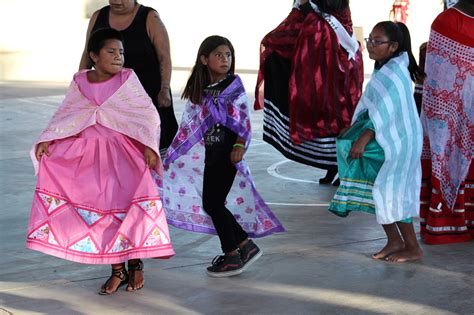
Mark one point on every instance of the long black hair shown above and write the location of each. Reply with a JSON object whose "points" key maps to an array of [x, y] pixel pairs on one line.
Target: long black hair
{"points": [[399, 33], [200, 77]]}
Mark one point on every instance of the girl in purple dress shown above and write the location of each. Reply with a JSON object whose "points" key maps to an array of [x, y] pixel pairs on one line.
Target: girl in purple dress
{"points": [[205, 171]]}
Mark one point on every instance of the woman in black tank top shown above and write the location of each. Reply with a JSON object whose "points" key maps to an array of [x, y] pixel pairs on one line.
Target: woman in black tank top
{"points": [[147, 52]]}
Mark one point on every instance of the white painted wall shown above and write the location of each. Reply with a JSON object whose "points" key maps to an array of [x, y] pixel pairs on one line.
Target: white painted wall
{"points": [[38, 44]]}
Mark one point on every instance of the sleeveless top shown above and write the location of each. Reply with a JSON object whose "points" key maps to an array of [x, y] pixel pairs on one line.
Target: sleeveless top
{"points": [[140, 55], [139, 52]]}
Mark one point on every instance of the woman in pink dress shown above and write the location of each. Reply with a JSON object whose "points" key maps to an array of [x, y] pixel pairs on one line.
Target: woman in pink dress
{"points": [[97, 163]]}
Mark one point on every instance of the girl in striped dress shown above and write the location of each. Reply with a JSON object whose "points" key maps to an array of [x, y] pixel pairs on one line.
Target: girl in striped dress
{"points": [[378, 156]]}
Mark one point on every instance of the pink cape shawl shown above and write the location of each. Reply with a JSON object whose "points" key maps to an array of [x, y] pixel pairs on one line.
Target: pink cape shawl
{"points": [[129, 111]]}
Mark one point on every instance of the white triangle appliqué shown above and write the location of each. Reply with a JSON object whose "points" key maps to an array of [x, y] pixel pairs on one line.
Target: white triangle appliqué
{"points": [[90, 217], [86, 245], [51, 203], [121, 244]]}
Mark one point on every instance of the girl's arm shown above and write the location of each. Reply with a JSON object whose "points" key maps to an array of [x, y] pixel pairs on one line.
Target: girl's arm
{"points": [[359, 146], [238, 151], [42, 148]]}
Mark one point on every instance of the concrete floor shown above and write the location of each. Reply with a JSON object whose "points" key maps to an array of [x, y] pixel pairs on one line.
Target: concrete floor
{"points": [[321, 265]]}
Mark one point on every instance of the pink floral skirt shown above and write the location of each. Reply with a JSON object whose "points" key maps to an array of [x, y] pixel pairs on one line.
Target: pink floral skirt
{"points": [[96, 202]]}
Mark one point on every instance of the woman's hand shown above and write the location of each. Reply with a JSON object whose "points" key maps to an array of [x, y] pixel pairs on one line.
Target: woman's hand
{"points": [[164, 98], [150, 157], [42, 148], [158, 36], [358, 147], [237, 154]]}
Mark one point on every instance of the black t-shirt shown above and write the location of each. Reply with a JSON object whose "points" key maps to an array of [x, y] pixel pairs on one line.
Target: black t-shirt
{"points": [[219, 140]]}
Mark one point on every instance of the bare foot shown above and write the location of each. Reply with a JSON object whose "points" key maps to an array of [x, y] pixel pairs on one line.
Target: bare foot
{"points": [[136, 280], [389, 249], [405, 255]]}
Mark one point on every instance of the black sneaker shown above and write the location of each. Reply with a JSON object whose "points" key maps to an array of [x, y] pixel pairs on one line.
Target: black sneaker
{"points": [[250, 253], [225, 266]]}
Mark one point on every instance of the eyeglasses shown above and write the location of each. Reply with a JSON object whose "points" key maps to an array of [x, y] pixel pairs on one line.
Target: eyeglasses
{"points": [[375, 42]]}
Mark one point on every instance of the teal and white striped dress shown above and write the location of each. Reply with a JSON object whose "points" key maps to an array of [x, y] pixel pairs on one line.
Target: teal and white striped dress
{"points": [[387, 179]]}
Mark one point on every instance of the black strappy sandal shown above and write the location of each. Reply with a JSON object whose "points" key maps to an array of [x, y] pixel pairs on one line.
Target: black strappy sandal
{"points": [[132, 268], [119, 273]]}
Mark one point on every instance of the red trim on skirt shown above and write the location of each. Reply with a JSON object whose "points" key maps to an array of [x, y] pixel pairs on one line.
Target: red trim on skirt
{"points": [[443, 225]]}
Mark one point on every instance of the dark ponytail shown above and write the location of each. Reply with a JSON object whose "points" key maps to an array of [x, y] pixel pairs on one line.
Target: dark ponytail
{"points": [[398, 32], [416, 73]]}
